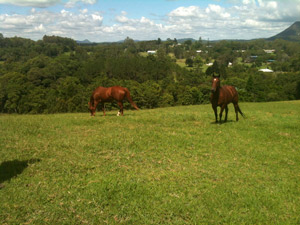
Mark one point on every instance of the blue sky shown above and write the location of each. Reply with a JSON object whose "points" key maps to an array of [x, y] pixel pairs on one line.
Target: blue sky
{"points": [[114, 20]]}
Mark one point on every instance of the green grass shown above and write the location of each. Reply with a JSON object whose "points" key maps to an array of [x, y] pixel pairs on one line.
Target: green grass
{"points": [[181, 63], [144, 54], [161, 166]]}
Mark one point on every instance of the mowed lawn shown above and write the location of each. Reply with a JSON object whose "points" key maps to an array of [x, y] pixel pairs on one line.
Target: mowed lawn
{"points": [[162, 166]]}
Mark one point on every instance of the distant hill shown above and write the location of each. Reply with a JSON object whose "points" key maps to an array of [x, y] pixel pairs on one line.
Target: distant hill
{"points": [[182, 40], [85, 42], [292, 33]]}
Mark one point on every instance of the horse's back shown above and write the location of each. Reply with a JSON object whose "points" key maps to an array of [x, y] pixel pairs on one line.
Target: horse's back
{"points": [[229, 94], [101, 93], [108, 94], [100, 90], [117, 89], [118, 92]]}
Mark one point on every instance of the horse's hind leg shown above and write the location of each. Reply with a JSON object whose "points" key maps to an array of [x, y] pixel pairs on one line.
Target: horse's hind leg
{"points": [[226, 112], [121, 108], [103, 108], [236, 107]]}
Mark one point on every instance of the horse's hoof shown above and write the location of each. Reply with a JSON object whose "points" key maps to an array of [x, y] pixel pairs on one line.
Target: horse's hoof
{"points": [[118, 114]]}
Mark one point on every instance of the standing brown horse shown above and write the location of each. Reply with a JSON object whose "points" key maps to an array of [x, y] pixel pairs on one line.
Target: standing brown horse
{"points": [[102, 95], [222, 96]]}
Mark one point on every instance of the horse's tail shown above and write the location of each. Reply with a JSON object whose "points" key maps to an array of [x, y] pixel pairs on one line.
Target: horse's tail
{"points": [[130, 99], [240, 111]]}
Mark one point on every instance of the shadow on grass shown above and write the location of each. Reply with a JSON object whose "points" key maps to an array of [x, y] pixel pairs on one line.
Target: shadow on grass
{"points": [[112, 114], [11, 169], [223, 122]]}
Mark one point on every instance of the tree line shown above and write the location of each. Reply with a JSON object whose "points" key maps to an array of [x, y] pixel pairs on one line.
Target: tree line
{"points": [[56, 74]]}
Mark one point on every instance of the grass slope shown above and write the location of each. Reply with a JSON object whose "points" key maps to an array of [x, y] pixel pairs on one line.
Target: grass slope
{"points": [[161, 166]]}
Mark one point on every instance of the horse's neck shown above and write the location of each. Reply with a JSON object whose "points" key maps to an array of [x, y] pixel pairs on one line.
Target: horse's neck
{"points": [[215, 95]]}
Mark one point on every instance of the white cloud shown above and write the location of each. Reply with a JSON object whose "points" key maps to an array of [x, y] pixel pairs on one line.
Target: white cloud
{"points": [[249, 2], [217, 11], [97, 18], [84, 11], [122, 18], [31, 3], [46, 3], [213, 8], [39, 23], [191, 11], [245, 19], [91, 2], [72, 3], [39, 28]]}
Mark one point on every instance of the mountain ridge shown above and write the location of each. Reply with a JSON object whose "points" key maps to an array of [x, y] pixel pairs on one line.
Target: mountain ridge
{"points": [[292, 33]]}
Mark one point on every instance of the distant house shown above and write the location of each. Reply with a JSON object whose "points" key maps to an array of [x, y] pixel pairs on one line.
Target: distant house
{"points": [[269, 51], [209, 64], [151, 52], [266, 70], [199, 51]]}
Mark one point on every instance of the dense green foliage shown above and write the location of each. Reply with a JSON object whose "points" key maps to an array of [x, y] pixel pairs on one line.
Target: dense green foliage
{"points": [[58, 75], [171, 165]]}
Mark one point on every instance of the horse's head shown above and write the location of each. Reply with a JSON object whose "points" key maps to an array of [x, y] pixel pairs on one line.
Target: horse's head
{"points": [[215, 83], [92, 109]]}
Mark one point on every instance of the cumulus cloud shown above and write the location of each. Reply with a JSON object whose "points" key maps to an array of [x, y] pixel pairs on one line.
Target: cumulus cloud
{"points": [[191, 11], [122, 18], [142, 28], [31, 3], [243, 19], [46, 3], [72, 3], [63, 23]]}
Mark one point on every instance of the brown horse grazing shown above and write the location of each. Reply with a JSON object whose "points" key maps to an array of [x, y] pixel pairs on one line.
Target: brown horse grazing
{"points": [[102, 95], [222, 96]]}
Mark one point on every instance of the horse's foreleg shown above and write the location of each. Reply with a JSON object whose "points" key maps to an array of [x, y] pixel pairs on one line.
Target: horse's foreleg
{"points": [[216, 113], [121, 108], [226, 112], [221, 112], [94, 109], [103, 108]]}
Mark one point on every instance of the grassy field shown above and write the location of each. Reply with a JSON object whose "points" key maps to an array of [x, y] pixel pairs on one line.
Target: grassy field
{"points": [[160, 166]]}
